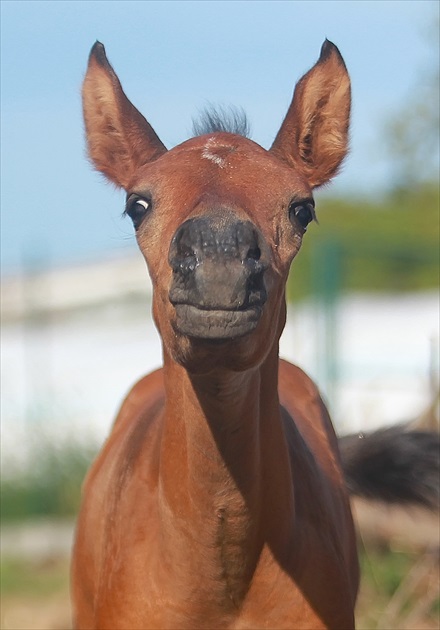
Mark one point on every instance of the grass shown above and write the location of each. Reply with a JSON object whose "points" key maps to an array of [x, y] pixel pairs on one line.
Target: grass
{"points": [[398, 590], [26, 578], [35, 595], [50, 485]]}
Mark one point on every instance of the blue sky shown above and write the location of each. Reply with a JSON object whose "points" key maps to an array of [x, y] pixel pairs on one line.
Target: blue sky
{"points": [[173, 58]]}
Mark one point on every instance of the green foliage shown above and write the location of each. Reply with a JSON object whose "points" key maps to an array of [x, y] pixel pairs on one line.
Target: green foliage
{"points": [[384, 570], [30, 578], [50, 485], [391, 245], [393, 586]]}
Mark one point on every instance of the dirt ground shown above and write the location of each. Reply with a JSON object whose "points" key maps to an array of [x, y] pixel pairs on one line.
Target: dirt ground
{"points": [[45, 613]]}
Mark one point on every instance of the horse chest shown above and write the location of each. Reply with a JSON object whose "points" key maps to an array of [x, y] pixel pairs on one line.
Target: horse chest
{"points": [[148, 589], [274, 602]]}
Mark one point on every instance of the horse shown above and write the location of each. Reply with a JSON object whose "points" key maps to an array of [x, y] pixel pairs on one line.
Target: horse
{"points": [[219, 499]]}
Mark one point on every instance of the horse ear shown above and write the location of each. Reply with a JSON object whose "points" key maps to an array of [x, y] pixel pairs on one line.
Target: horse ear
{"points": [[314, 135], [119, 139]]}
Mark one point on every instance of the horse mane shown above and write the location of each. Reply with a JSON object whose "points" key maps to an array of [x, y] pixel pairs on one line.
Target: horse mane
{"points": [[224, 119]]}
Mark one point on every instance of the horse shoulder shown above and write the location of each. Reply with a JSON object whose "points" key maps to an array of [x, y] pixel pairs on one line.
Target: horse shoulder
{"points": [[315, 459], [129, 455], [301, 399], [138, 411]]}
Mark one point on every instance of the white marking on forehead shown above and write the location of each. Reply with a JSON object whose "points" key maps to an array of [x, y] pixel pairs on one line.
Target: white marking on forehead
{"points": [[208, 153]]}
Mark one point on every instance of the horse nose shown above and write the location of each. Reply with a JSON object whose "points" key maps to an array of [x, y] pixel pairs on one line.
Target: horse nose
{"points": [[218, 264]]}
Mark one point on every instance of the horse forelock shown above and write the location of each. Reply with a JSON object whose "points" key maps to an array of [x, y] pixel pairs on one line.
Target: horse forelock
{"points": [[222, 119]]}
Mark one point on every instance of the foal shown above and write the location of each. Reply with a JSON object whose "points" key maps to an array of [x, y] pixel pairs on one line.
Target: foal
{"points": [[218, 500]]}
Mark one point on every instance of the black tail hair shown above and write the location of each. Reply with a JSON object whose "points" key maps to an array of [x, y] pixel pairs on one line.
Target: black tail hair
{"points": [[394, 465]]}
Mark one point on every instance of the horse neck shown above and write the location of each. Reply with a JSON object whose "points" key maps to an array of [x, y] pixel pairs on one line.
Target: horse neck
{"points": [[225, 482]]}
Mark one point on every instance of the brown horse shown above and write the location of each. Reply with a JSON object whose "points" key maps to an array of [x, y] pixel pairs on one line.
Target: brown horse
{"points": [[218, 500]]}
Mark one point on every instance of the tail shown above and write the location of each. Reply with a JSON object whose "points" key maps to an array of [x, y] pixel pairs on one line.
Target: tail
{"points": [[394, 465]]}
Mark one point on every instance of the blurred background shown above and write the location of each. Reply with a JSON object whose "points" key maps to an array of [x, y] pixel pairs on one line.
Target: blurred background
{"points": [[76, 323]]}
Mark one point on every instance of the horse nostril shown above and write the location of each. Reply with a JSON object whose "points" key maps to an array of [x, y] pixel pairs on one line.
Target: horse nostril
{"points": [[254, 253], [183, 264]]}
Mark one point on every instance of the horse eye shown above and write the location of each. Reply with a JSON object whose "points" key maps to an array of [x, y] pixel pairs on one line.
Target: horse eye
{"points": [[303, 212], [136, 208]]}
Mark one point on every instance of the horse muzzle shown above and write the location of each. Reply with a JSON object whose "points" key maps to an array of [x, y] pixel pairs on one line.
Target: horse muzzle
{"points": [[217, 287]]}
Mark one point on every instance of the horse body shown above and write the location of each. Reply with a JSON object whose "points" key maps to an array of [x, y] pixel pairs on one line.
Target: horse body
{"points": [[218, 499], [198, 524]]}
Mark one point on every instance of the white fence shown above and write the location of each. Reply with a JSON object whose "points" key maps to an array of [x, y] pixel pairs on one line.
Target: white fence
{"points": [[74, 341]]}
